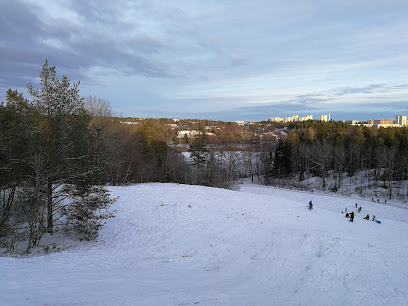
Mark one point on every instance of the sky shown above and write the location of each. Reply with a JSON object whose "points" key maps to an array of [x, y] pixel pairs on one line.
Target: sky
{"points": [[217, 59]]}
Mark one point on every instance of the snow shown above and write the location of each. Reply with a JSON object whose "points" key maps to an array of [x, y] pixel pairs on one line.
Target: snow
{"points": [[176, 244]]}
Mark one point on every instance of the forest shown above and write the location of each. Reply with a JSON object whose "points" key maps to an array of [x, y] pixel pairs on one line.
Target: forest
{"points": [[375, 158], [59, 151]]}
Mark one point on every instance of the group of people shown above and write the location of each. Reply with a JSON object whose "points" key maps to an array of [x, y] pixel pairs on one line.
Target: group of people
{"points": [[351, 215], [378, 200]]}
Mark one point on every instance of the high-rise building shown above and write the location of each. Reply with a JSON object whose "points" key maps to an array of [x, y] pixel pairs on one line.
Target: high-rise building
{"points": [[323, 118], [294, 118], [401, 120]]}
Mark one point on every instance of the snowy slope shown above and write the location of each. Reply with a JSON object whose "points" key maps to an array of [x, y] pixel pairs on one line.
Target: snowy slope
{"points": [[188, 245]]}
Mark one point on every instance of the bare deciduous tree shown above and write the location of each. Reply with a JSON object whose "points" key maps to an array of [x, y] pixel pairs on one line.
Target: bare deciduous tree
{"points": [[98, 107]]}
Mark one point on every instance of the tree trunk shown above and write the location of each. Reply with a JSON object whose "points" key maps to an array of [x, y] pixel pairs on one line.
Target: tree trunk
{"points": [[8, 201], [50, 227]]}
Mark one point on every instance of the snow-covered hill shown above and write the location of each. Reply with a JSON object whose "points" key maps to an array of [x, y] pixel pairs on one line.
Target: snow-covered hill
{"points": [[188, 245]]}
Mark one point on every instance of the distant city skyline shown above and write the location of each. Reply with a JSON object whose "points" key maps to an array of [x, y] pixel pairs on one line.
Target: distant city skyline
{"points": [[216, 60], [328, 117]]}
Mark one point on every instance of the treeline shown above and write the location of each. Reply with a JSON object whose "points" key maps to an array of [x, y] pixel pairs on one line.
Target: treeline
{"points": [[315, 148], [148, 152], [227, 133], [135, 150]]}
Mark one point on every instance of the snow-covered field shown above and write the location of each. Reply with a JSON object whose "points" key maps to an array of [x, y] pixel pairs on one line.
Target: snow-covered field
{"points": [[188, 245]]}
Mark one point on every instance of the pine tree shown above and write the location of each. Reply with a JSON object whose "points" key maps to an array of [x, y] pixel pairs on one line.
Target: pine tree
{"points": [[59, 158], [17, 127]]}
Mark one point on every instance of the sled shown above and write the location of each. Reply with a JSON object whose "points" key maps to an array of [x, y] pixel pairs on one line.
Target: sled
{"points": [[379, 222]]}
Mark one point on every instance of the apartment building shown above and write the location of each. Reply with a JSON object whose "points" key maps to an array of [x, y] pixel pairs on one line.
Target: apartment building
{"points": [[401, 120], [323, 118], [293, 118]]}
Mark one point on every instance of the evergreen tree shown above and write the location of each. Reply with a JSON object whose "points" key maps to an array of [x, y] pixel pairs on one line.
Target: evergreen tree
{"points": [[282, 165], [61, 106], [199, 153], [17, 127], [49, 159]]}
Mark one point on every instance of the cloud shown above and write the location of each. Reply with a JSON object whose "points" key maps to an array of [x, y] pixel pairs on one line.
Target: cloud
{"points": [[358, 90], [371, 89], [30, 34], [212, 55]]}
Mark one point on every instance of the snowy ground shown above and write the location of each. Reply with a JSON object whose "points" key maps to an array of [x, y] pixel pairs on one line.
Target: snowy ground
{"points": [[188, 245]]}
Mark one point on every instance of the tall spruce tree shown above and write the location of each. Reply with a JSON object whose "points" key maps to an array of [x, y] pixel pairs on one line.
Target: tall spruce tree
{"points": [[282, 165], [199, 153]]}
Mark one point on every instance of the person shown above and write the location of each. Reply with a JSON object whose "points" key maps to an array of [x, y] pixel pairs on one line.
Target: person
{"points": [[367, 217], [347, 215], [310, 205], [356, 205], [352, 216], [385, 201], [378, 200], [359, 209], [345, 209], [373, 218]]}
